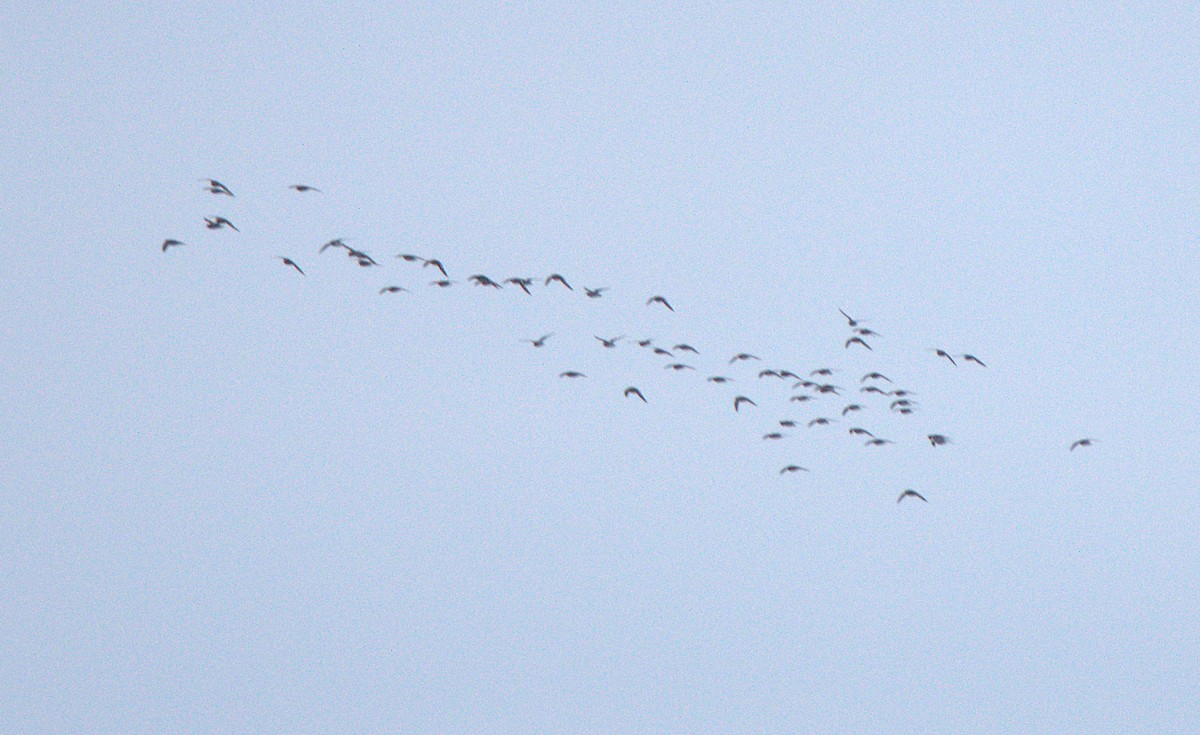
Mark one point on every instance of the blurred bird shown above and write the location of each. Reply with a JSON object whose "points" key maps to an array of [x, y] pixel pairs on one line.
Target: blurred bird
{"points": [[739, 400], [742, 356], [610, 343], [873, 442], [773, 435], [853, 322], [594, 293], [875, 376], [522, 282], [632, 391], [686, 348], [938, 439], [972, 358], [678, 366], [171, 243], [216, 223], [851, 407], [571, 374], [292, 263], [821, 371], [482, 280], [445, 283], [857, 341], [659, 300], [719, 379], [406, 257], [819, 422], [216, 187], [792, 468], [1082, 443], [943, 353], [560, 279], [304, 188], [910, 493], [391, 289], [856, 431], [436, 264], [540, 341]]}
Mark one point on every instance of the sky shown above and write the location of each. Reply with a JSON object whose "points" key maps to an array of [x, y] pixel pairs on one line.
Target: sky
{"points": [[240, 499]]}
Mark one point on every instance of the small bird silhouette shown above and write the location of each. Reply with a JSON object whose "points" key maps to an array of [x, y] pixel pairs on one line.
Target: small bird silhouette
{"points": [[661, 351], [910, 493], [610, 343], [1082, 443], [875, 376], [292, 263], [391, 289], [216, 187], [406, 257], [857, 341], [216, 223], [788, 424], [873, 442], [856, 431], [482, 280], [560, 279], [304, 187], [678, 366], [819, 422], [444, 283], [821, 371], [873, 389], [972, 358], [632, 391], [540, 341], [571, 374], [851, 407], [686, 348], [436, 264], [800, 398], [594, 293], [938, 439], [792, 468], [524, 283], [739, 400], [943, 353], [659, 300], [768, 374], [719, 379], [773, 435], [171, 243], [853, 322], [742, 356]]}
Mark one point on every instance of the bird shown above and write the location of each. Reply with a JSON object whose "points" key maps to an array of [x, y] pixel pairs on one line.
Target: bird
{"points": [[943, 353], [742, 356], [819, 422], [292, 263], [910, 493], [851, 407], [337, 243], [788, 424], [216, 187], [645, 342], [363, 259], [609, 343], [444, 283], [686, 348], [661, 351], [560, 279], [874, 442], [867, 332], [792, 468], [522, 282], [571, 374], [171, 243], [304, 187], [594, 293], [938, 439], [901, 393], [1082, 443], [768, 374], [827, 388], [678, 366], [632, 391], [873, 389], [391, 289], [719, 379], [436, 264], [773, 435], [822, 371], [858, 341], [482, 280], [853, 322], [800, 398], [216, 223], [972, 358], [857, 431], [406, 257], [659, 300], [875, 376], [540, 341], [739, 400]]}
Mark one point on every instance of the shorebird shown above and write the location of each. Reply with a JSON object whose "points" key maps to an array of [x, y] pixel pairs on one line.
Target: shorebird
{"points": [[216, 223], [938, 439], [819, 422], [788, 424], [873, 442], [482, 280], [851, 407], [391, 289], [910, 493], [594, 293], [773, 435], [719, 379], [742, 356], [873, 389], [292, 263], [793, 468], [304, 188], [875, 376], [800, 398], [867, 332], [406, 257], [739, 400], [678, 366], [827, 388], [972, 358], [659, 300], [632, 391], [571, 374], [661, 351], [216, 187], [522, 282], [768, 374], [540, 341], [444, 283], [560, 279], [436, 264], [336, 243], [1082, 443], [857, 341], [943, 353], [856, 431], [609, 343], [821, 371], [171, 243], [686, 348]]}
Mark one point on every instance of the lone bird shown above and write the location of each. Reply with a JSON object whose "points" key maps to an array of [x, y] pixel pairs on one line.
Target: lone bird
{"points": [[560, 279], [171, 243], [972, 358], [216, 223], [540, 341], [739, 400], [773, 435], [632, 391], [571, 374], [1082, 443], [292, 263], [793, 468], [938, 439], [303, 188], [910, 493], [943, 353], [659, 300]]}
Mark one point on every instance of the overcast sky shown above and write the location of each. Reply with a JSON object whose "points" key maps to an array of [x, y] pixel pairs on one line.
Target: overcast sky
{"points": [[241, 499]]}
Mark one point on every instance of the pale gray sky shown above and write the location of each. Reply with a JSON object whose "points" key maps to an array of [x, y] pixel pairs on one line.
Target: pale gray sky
{"points": [[238, 499]]}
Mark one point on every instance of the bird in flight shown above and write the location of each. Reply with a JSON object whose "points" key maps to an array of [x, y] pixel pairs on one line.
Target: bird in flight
{"points": [[800, 398], [609, 343], [873, 442], [406, 257], [216, 223], [594, 293], [858, 431], [540, 341], [522, 282], [773, 435], [875, 376], [216, 187], [739, 400], [661, 351], [819, 422], [768, 373], [686, 348], [678, 366], [873, 389], [303, 188], [938, 439], [867, 332], [943, 353], [792, 468], [482, 280], [436, 264], [853, 322], [910, 493], [742, 356], [972, 358], [857, 341], [821, 371], [292, 263], [851, 407], [339, 243], [171, 243], [571, 374], [391, 289], [719, 379], [659, 300], [444, 283], [1082, 443], [632, 391], [788, 424], [560, 279]]}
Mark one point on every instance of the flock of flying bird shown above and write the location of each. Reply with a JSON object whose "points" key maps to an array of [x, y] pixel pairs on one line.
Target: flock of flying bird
{"points": [[872, 387]]}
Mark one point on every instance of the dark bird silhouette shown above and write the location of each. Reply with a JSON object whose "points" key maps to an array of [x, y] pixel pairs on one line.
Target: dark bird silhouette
{"points": [[659, 300], [560, 279], [768, 374], [853, 322], [856, 431], [719, 379], [875, 376], [540, 341], [304, 187], [827, 388], [661, 351], [873, 389], [976, 360], [821, 371], [391, 289], [171, 243], [819, 422], [363, 259], [792, 468], [943, 353], [901, 403], [522, 282], [910, 493], [739, 400], [482, 280], [800, 398], [571, 374], [594, 293], [336, 243], [409, 257], [678, 366], [686, 348], [857, 341], [851, 407], [644, 342], [632, 391], [610, 343], [938, 439], [742, 356], [445, 283], [216, 223], [900, 393], [773, 435], [873, 442], [863, 331], [216, 187], [1082, 443], [788, 424], [436, 264], [292, 263]]}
